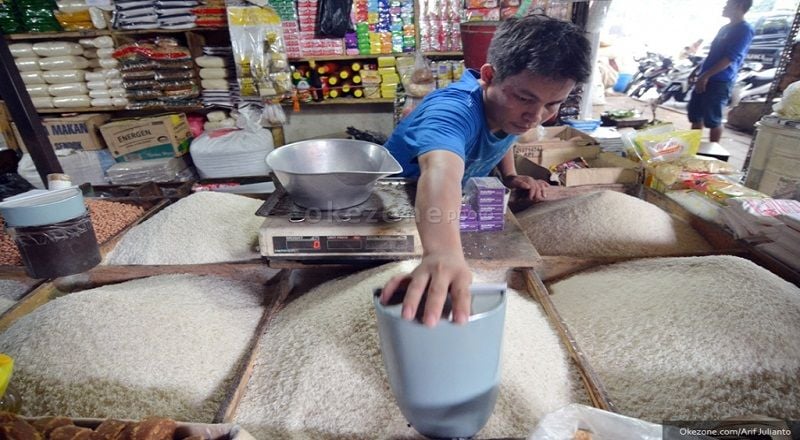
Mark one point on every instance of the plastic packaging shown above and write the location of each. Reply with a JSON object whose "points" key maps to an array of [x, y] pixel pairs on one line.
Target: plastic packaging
{"points": [[97, 17], [64, 76], [70, 89], [789, 105], [72, 101], [101, 102], [22, 50], [114, 83], [563, 424], [10, 400], [119, 102], [27, 64], [214, 84], [670, 145], [94, 63], [89, 54], [116, 92], [108, 63], [210, 61], [112, 73], [99, 94], [213, 73], [57, 49], [97, 85], [63, 63], [35, 90], [106, 52], [153, 170], [32, 77], [42, 101], [94, 76], [333, 18]]}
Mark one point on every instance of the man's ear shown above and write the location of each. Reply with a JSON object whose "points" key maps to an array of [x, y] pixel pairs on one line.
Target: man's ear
{"points": [[487, 73]]}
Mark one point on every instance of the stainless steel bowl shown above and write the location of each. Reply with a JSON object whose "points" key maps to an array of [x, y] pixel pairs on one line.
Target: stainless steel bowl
{"points": [[331, 173]]}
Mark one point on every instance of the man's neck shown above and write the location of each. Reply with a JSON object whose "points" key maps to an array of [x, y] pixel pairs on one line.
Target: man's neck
{"points": [[737, 19]]}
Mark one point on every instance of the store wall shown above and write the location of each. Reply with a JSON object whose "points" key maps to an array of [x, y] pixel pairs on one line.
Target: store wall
{"points": [[329, 120]]}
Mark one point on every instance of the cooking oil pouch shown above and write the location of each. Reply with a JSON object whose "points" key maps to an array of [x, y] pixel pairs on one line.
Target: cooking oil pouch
{"points": [[668, 146], [721, 188], [74, 21]]}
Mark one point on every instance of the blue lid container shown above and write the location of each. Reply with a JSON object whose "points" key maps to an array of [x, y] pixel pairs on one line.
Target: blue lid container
{"points": [[37, 208]]}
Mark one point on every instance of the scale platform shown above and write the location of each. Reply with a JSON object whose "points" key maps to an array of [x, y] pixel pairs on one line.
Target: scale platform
{"points": [[381, 228]]}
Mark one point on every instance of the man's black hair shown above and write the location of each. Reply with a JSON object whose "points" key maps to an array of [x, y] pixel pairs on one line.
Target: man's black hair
{"points": [[543, 45], [745, 4]]}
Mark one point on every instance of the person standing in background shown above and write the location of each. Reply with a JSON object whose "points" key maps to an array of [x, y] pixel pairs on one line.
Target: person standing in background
{"points": [[713, 87]]}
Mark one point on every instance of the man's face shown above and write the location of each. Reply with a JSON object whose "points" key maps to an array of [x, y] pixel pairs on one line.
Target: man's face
{"points": [[522, 101], [730, 8]]}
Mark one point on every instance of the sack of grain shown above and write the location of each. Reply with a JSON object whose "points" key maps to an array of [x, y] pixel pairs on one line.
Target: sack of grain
{"points": [[167, 345], [206, 227], [696, 338], [606, 224], [319, 372]]}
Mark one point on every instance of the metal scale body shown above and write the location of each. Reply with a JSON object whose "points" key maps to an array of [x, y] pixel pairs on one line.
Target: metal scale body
{"points": [[381, 228]]}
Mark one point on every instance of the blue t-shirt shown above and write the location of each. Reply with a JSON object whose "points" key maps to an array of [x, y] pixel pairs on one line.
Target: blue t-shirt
{"points": [[732, 41], [450, 119]]}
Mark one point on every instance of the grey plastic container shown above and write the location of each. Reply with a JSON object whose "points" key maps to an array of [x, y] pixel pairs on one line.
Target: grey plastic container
{"points": [[446, 378]]}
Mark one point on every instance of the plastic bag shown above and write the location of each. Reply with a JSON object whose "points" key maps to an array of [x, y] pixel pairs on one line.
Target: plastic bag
{"points": [[671, 145], [789, 105], [419, 80], [564, 423], [333, 18]]}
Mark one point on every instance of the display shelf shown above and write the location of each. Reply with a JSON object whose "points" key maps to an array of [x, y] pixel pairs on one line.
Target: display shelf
{"points": [[117, 109], [372, 57], [100, 32], [345, 101]]}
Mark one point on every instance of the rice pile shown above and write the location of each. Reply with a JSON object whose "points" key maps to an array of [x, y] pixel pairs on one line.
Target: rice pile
{"points": [[10, 292], [205, 227], [696, 338], [319, 372], [607, 223], [166, 345]]}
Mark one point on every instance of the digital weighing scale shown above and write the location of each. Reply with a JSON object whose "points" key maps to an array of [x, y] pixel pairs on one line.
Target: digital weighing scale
{"points": [[381, 228]]}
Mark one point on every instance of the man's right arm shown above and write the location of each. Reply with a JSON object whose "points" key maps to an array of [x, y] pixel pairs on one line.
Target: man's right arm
{"points": [[443, 268]]}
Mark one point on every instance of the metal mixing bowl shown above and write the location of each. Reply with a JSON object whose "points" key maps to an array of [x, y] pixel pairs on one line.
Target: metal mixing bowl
{"points": [[331, 173]]}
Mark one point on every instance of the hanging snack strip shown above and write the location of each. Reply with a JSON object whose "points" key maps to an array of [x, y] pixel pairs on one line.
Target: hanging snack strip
{"points": [[158, 73]]}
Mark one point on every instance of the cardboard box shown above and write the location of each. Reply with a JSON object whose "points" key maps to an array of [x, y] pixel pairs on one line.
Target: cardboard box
{"points": [[7, 133], [76, 132], [555, 140], [148, 138], [606, 168]]}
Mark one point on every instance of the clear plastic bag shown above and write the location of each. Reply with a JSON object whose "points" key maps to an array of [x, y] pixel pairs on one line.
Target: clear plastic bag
{"points": [[333, 18], [789, 105], [564, 423]]}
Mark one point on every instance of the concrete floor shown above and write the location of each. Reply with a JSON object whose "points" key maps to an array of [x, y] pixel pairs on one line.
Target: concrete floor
{"points": [[736, 142]]}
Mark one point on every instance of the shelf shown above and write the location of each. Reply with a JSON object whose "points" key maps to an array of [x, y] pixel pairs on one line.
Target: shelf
{"points": [[116, 109], [373, 57], [101, 32], [345, 101]]}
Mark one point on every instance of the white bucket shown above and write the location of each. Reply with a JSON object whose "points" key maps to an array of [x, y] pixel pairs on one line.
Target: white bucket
{"points": [[775, 164]]}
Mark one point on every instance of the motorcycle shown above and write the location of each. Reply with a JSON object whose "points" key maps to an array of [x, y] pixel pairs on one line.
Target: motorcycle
{"points": [[752, 84], [649, 77], [679, 82]]}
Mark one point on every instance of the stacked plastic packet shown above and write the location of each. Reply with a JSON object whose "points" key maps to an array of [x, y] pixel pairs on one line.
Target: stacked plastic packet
{"points": [[484, 206], [135, 14], [37, 15], [104, 81], [217, 75], [382, 27], [176, 14], [287, 11], [439, 25], [54, 73], [211, 13], [168, 169], [77, 15], [9, 23], [157, 74]]}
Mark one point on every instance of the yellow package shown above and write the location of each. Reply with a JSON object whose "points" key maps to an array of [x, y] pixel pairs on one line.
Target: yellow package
{"points": [[668, 146]]}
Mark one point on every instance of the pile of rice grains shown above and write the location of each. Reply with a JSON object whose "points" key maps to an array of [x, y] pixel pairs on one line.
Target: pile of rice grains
{"points": [[108, 219]]}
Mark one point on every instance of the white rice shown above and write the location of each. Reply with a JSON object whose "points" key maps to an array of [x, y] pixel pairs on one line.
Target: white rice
{"points": [[166, 345], [205, 227], [607, 223], [698, 338], [319, 372], [10, 292]]}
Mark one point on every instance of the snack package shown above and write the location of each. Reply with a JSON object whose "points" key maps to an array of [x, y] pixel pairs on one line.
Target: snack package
{"points": [[671, 145]]}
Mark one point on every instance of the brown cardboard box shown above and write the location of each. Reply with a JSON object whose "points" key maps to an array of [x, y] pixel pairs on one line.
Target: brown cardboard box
{"points": [[529, 145], [148, 138], [76, 132], [5, 128], [606, 168]]}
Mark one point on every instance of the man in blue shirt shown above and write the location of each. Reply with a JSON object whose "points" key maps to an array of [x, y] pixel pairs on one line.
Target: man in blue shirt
{"points": [[467, 129], [713, 87]]}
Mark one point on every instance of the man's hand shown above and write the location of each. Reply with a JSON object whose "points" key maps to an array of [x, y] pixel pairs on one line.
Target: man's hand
{"points": [[440, 273], [537, 189], [700, 85]]}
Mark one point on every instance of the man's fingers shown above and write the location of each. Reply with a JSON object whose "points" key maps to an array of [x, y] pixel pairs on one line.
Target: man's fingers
{"points": [[413, 294], [437, 294], [391, 287], [460, 297]]}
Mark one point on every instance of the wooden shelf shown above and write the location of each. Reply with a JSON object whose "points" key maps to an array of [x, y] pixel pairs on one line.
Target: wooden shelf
{"points": [[373, 57], [345, 101], [117, 109], [101, 32]]}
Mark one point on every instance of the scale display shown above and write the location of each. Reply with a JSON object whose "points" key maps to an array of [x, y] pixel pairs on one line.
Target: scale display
{"points": [[343, 244]]}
